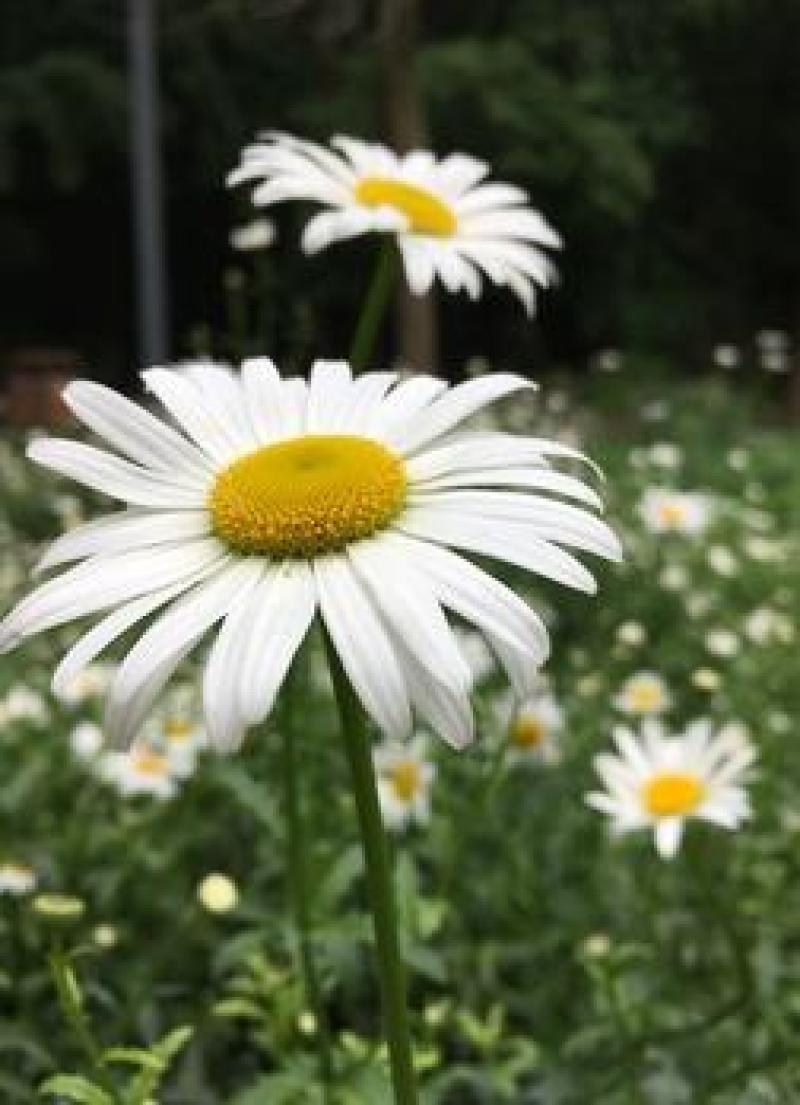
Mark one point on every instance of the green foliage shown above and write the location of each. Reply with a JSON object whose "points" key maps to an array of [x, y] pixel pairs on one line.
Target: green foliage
{"points": [[549, 963]]}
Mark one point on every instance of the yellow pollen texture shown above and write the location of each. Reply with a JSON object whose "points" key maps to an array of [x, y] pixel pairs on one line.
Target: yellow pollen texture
{"points": [[426, 213], [673, 794], [406, 778], [307, 496], [527, 732], [178, 729]]}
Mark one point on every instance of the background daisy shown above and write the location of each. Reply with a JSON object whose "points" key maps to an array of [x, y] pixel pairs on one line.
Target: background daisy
{"points": [[404, 778], [660, 782], [448, 221]]}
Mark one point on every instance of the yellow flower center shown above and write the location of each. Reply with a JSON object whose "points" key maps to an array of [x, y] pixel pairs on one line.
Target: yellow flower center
{"points": [[406, 780], [672, 514], [178, 730], [150, 763], [307, 496], [644, 698], [672, 794], [426, 213], [527, 732]]}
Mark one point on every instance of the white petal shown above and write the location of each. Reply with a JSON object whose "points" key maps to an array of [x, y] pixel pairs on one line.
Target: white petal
{"points": [[202, 421], [668, 833], [410, 607], [520, 223], [368, 656], [329, 389], [91, 644], [406, 401], [509, 541], [477, 597], [284, 605], [113, 476], [418, 263], [262, 387], [551, 519], [533, 479], [454, 406], [225, 722], [223, 392], [445, 710], [125, 531], [104, 581], [138, 680], [135, 432]]}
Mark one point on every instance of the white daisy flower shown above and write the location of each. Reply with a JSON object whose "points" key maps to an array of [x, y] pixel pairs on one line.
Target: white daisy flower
{"points": [[86, 740], [404, 779], [632, 634], [139, 771], [659, 781], [17, 879], [448, 221], [765, 625], [533, 730], [722, 561], [218, 893], [281, 499], [666, 511], [643, 695]]}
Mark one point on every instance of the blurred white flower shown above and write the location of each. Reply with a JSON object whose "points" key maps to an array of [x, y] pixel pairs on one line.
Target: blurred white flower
{"points": [[721, 560], [738, 459], [643, 694], [533, 728], [665, 454], [23, 704], [722, 642], [632, 634], [608, 361], [92, 682], [17, 879], [86, 740], [218, 893], [446, 218], [659, 782], [765, 625], [775, 361], [698, 604], [771, 339], [181, 738], [666, 511], [140, 771], [706, 679], [405, 778], [255, 235], [597, 945], [674, 577], [726, 356], [765, 550]]}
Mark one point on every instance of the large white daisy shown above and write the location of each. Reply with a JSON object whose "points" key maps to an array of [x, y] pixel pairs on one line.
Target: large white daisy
{"points": [[659, 781], [270, 500], [447, 219]]}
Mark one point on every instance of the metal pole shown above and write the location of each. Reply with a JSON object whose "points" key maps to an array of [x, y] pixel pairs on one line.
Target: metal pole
{"points": [[146, 186]]}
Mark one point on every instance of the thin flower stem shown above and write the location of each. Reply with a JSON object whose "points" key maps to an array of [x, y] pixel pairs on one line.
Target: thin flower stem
{"points": [[374, 308], [297, 876], [379, 884]]}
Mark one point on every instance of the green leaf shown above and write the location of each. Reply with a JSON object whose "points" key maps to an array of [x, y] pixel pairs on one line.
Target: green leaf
{"points": [[77, 1089]]}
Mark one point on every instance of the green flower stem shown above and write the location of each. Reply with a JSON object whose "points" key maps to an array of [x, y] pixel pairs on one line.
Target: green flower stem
{"points": [[374, 308], [380, 884], [297, 874]]}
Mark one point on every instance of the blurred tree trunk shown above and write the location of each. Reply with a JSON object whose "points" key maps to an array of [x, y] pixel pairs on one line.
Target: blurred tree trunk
{"points": [[418, 338]]}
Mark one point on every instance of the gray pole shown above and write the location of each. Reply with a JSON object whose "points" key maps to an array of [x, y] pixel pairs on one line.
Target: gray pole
{"points": [[146, 187]]}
